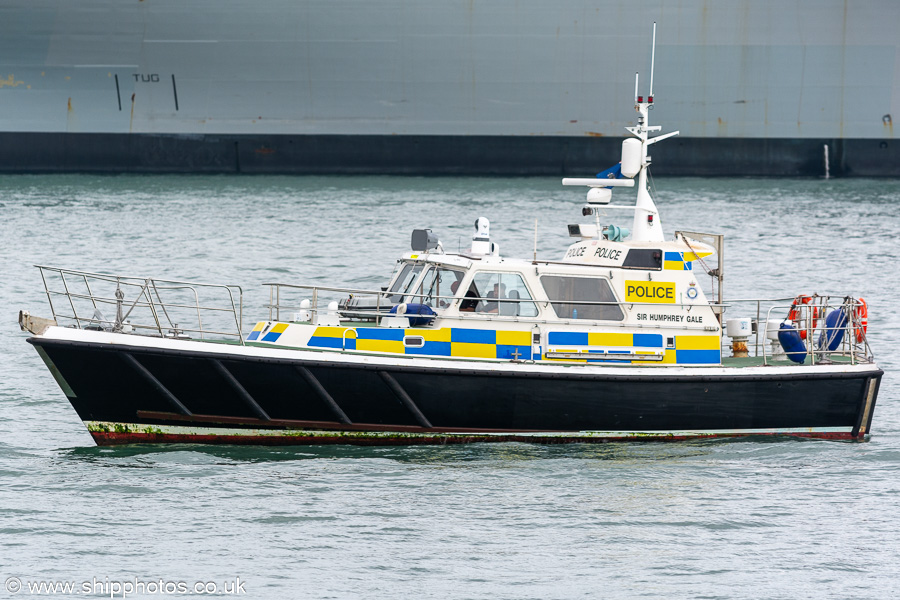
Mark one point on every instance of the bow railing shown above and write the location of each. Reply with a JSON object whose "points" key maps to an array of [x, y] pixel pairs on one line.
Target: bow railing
{"points": [[143, 305]]}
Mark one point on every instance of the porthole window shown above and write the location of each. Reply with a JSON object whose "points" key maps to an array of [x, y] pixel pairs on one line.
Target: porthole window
{"points": [[413, 341]]}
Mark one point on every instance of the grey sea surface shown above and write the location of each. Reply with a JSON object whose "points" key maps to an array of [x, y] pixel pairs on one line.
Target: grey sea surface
{"points": [[707, 519]]}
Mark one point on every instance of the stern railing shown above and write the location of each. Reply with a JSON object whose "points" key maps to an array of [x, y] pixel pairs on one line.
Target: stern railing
{"points": [[809, 320]]}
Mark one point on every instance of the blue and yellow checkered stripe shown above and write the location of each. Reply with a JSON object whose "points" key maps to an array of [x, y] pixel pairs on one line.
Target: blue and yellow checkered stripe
{"points": [[573, 341], [254, 335], [695, 350], [508, 345], [689, 349], [585, 338], [681, 261], [677, 261], [449, 341], [271, 336]]}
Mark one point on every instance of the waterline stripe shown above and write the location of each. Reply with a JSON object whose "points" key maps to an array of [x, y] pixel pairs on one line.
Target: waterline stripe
{"points": [[103, 427]]}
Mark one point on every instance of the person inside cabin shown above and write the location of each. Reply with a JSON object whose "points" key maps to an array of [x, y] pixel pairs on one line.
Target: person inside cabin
{"points": [[453, 287], [498, 293], [510, 308], [471, 301]]}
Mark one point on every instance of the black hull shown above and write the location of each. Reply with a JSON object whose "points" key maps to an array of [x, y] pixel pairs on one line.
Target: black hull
{"points": [[132, 394], [40, 152]]}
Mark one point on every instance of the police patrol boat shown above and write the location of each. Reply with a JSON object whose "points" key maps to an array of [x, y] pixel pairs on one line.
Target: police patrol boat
{"points": [[615, 340]]}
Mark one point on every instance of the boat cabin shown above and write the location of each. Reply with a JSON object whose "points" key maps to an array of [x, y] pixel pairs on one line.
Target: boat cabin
{"points": [[604, 300]]}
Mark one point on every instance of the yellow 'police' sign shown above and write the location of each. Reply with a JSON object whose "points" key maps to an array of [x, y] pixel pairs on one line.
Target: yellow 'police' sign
{"points": [[650, 291]]}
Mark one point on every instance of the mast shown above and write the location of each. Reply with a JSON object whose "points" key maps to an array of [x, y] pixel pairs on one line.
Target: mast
{"points": [[647, 226], [634, 164]]}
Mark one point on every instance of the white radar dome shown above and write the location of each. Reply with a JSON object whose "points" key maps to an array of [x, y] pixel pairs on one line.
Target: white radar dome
{"points": [[599, 196], [738, 328], [631, 157]]}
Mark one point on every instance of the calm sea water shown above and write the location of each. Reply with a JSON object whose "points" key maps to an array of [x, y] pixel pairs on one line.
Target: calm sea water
{"points": [[711, 519]]}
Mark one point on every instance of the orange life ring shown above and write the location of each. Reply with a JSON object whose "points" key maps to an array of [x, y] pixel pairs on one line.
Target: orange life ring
{"points": [[862, 316], [796, 314]]}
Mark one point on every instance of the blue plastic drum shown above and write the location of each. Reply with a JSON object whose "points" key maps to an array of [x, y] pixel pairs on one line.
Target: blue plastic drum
{"points": [[792, 343]]}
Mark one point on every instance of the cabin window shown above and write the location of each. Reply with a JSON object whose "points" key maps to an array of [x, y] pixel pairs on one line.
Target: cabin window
{"points": [[582, 298], [502, 294], [404, 281], [437, 286], [641, 258]]}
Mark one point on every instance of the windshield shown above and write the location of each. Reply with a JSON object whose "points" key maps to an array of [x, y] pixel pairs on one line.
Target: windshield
{"points": [[404, 282], [437, 284]]}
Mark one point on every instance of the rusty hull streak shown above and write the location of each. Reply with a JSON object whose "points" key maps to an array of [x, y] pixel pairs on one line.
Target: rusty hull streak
{"points": [[114, 438], [10, 81], [330, 432], [319, 425], [131, 119]]}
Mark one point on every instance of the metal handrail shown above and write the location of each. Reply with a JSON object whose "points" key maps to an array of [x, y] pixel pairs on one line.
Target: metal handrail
{"points": [[344, 337], [378, 313], [107, 300], [848, 348], [150, 296], [822, 303], [489, 298], [154, 295], [815, 325]]}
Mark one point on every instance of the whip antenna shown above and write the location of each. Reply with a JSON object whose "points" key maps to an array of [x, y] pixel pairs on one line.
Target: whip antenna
{"points": [[652, 60]]}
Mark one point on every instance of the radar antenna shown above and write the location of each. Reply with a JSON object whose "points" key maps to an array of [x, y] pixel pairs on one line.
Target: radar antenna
{"points": [[647, 226], [635, 164], [652, 58]]}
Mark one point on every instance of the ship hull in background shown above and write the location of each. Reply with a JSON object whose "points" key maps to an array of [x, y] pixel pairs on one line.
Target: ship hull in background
{"points": [[444, 87]]}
